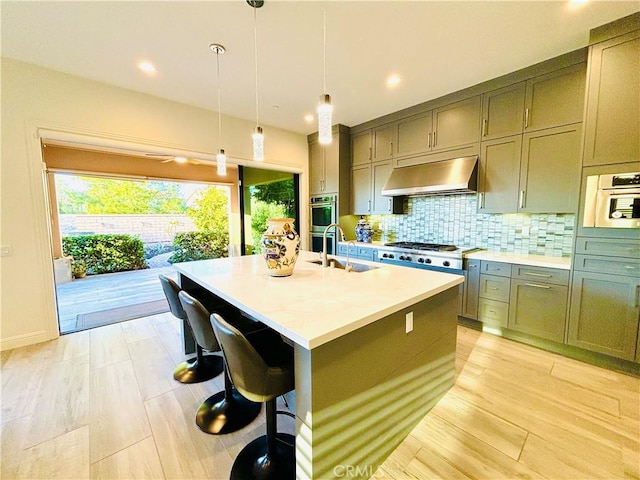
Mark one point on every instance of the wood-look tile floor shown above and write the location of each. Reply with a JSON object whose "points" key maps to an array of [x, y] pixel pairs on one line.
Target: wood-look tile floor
{"points": [[103, 404]]}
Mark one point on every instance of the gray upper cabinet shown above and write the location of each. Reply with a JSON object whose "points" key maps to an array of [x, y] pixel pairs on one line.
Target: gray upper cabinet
{"points": [[361, 151], [555, 99], [323, 168], [414, 135], [499, 175], [550, 170], [612, 123], [361, 190], [380, 172], [503, 112], [384, 140], [456, 125]]}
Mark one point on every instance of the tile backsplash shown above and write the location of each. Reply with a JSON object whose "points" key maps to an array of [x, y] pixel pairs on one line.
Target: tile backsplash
{"points": [[454, 219]]}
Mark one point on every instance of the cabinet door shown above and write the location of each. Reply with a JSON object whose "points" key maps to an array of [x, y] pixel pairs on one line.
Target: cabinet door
{"points": [[555, 99], [331, 167], [471, 289], [503, 112], [383, 142], [538, 309], [361, 148], [493, 287], [499, 175], [612, 123], [361, 190], [550, 170], [604, 313], [316, 168], [413, 135], [380, 172], [457, 124]]}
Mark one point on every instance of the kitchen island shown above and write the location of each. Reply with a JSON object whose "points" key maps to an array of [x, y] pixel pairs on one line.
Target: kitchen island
{"points": [[374, 350]]}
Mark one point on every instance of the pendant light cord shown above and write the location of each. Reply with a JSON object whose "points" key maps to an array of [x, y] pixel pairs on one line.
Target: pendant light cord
{"points": [[324, 51], [255, 46], [219, 108]]}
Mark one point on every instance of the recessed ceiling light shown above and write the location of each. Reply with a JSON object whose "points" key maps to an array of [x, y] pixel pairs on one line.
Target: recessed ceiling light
{"points": [[308, 118], [393, 80], [577, 3], [180, 159], [147, 67]]}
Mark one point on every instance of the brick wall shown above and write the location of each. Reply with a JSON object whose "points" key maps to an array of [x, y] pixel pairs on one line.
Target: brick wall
{"points": [[149, 228]]}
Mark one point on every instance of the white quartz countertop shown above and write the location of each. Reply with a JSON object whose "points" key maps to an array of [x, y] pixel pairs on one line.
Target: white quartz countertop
{"points": [[563, 263], [316, 305]]}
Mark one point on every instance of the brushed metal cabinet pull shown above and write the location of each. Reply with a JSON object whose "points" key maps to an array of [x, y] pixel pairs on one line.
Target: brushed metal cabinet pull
{"points": [[535, 285], [481, 200], [391, 149], [526, 117], [368, 205], [429, 139], [435, 138], [484, 127], [521, 200], [389, 207], [370, 153], [533, 274]]}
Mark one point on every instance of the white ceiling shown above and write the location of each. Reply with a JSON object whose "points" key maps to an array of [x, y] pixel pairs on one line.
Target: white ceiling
{"points": [[436, 47]]}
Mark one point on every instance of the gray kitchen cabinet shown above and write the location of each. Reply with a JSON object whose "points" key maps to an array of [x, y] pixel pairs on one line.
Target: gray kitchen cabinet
{"points": [[538, 301], [356, 251], [499, 175], [316, 168], [612, 121], [555, 99], [471, 289], [493, 293], [361, 190], [456, 125], [380, 172], [550, 170], [414, 135], [361, 150], [503, 112], [384, 141], [604, 313], [324, 167]]}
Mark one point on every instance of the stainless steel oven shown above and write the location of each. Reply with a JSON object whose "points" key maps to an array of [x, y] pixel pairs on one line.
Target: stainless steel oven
{"points": [[322, 214], [613, 201]]}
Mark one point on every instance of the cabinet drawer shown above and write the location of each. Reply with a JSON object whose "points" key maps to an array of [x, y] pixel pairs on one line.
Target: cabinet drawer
{"points": [[494, 288], [600, 264], [608, 247], [365, 253], [493, 312], [540, 274], [344, 247], [495, 268]]}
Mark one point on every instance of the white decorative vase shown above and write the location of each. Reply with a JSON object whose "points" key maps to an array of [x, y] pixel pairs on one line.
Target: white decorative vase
{"points": [[280, 246]]}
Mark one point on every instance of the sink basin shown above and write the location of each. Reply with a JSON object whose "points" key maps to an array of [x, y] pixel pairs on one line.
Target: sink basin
{"points": [[341, 265]]}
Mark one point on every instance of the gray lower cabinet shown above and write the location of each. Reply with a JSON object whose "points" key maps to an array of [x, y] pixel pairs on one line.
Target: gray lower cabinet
{"points": [[471, 289], [493, 293], [538, 309], [356, 251], [604, 313]]}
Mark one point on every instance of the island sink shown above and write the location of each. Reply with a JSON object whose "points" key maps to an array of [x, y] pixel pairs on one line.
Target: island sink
{"points": [[342, 265]]}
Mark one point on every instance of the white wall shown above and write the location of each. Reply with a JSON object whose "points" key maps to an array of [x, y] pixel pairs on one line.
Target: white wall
{"points": [[35, 100]]}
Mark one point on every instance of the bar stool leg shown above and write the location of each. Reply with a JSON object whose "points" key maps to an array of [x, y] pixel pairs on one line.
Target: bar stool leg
{"points": [[199, 369], [226, 411], [270, 457]]}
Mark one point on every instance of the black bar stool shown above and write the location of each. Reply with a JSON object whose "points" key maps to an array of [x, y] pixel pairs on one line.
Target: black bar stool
{"points": [[226, 411], [201, 367], [261, 367]]}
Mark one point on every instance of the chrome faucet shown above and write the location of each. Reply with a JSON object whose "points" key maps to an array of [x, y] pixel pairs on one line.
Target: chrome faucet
{"points": [[324, 242]]}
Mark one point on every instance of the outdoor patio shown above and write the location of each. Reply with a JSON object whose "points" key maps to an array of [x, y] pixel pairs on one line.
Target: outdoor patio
{"points": [[110, 298]]}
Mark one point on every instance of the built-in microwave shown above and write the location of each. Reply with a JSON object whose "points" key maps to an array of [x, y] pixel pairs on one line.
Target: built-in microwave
{"points": [[612, 201]]}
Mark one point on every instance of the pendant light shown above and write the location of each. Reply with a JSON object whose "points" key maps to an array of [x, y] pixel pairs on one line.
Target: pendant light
{"points": [[258, 137], [325, 109], [221, 158]]}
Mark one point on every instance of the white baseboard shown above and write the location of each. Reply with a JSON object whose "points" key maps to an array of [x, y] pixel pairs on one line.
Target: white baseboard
{"points": [[24, 340]]}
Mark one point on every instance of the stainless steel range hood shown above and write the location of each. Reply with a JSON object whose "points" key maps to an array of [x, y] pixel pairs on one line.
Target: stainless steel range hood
{"points": [[458, 175]]}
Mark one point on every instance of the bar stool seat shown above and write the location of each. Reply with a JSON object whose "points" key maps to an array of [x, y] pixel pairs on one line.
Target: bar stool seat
{"points": [[201, 367], [261, 367], [226, 411]]}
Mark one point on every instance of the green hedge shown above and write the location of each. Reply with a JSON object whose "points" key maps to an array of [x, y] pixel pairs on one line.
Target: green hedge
{"points": [[199, 246], [106, 253]]}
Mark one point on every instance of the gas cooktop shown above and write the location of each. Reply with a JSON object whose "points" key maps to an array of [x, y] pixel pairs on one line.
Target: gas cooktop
{"points": [[433, 247]]}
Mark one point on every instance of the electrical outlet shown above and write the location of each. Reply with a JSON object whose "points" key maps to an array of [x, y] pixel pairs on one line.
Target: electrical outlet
{"points": [[6, 250], [409, 322]]}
